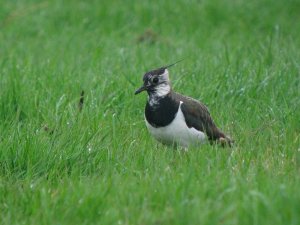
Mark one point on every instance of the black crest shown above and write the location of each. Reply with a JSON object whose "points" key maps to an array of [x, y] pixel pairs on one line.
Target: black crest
{"points": [[160, 70]]}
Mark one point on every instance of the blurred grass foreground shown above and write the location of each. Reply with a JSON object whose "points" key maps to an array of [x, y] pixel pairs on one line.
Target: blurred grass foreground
{"points": [[74, 148]]}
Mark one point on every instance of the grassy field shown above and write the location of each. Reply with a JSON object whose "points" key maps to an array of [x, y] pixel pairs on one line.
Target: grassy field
{"points": [[100, 166]]}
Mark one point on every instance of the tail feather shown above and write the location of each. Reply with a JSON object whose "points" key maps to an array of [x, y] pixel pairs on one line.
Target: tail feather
{"points": [[225, 141]]}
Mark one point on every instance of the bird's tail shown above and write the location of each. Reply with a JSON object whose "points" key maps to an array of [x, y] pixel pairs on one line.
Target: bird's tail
{"points": [[225, 141]]}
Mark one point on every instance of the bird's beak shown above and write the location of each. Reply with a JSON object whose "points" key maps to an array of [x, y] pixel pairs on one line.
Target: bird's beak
{"points": [[143, 88]]}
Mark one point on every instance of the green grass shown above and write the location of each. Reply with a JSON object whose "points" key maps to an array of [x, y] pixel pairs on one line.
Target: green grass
{"points": [[100, 165]]}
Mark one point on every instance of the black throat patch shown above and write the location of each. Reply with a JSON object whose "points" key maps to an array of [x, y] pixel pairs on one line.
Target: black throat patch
{"points": [[163, 113]]}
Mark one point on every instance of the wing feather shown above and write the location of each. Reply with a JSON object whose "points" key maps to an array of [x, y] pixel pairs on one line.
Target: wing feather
{"points": [[197, 116]]}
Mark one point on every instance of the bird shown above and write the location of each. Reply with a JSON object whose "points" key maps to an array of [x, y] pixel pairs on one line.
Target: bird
{"points": [[174, 119]]}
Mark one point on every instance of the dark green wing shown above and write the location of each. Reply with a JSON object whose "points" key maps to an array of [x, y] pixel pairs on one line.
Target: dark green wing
{"points": [[197, 116]]}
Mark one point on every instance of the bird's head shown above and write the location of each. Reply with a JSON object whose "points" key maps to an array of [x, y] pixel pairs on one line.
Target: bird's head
{"points": [[157, 82]]}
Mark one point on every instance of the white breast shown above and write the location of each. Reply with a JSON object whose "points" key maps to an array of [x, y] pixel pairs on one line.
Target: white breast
{"points": [[177, 132]]}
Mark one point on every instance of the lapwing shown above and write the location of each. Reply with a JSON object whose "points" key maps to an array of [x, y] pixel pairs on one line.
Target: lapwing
{"points": [[175, 119]]}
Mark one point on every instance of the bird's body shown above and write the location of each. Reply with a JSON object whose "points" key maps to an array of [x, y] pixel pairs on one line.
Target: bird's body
{"points": [[174, 119], [176, 131]]}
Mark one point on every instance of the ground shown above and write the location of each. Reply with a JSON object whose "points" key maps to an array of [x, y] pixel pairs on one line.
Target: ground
{"points": [[62, 162]]}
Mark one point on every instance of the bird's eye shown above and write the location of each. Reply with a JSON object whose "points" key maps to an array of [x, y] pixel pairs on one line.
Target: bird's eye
{"points": [[155, 80]]}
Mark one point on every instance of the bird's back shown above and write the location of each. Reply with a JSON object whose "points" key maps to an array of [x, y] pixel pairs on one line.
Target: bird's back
{"points": [[197, 116]]}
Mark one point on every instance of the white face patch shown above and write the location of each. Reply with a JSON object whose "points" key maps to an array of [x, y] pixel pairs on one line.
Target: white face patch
{"points": [[161, 89], [164, 78]]}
